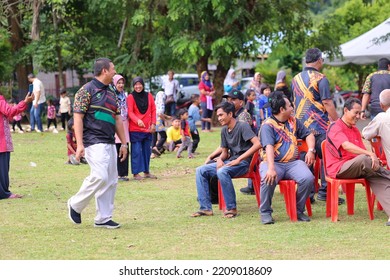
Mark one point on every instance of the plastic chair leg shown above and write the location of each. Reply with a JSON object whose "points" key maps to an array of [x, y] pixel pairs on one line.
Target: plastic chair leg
{"points": [[350, 195]]}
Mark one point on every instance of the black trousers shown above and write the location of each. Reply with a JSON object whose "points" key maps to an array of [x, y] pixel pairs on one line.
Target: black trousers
{"points": [[18, 124], [64, 119], [123, 166], [195, 140], [52, 121], [4, 175], [160, 143]]}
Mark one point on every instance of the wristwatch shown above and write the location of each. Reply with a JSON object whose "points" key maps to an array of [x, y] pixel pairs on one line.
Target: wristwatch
{"points": [[312, 150]]}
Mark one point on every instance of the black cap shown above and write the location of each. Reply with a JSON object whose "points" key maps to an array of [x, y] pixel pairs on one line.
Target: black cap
{"points": [[235, 93]]}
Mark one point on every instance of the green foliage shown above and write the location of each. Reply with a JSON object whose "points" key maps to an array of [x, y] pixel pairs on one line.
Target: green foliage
{"points": [[6, 60]]}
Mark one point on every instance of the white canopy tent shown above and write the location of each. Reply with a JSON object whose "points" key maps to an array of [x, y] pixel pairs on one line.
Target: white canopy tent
{"points": [[365, 49]]}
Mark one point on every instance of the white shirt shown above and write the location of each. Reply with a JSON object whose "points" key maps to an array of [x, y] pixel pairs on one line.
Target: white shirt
{"points": [[38, 86], [64, 104], [380, 126], [171, 87]]}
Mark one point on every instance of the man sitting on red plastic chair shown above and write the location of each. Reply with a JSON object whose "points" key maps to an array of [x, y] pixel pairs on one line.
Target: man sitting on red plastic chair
{"points": [[347, 157], [278, 136], [238, 144], [380, 125]]}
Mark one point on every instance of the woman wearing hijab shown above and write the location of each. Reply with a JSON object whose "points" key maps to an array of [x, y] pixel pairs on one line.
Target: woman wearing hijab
{"points": [[123, 166], [231, 82], [207, 92], [142, 125], [280, 84], [256, 84]]}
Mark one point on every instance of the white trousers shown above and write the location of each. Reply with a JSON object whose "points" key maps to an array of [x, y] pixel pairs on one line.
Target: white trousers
{"points": [[101, 182]]}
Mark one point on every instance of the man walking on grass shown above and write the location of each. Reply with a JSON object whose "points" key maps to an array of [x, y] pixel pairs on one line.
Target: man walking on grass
{"points": [[96, 120]]}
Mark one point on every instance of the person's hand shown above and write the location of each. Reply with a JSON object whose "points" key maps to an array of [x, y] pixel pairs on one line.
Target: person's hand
{"points": [[36, 105], [363, 115], [310, 158], [80, 152], [270, 176], [123, 152], [29, 98], [152, 128], [375, 162], [140, 123], [233, 162], [220, 163]]}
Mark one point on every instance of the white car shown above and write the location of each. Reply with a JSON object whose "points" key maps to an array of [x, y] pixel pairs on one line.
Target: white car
{"points": [[245, 84], [188, 83]]}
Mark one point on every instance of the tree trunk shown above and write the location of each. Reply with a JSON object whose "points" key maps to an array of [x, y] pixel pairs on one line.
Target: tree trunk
{"points": [[35, 20], [58, 50], [17, 42], [202, 65]]}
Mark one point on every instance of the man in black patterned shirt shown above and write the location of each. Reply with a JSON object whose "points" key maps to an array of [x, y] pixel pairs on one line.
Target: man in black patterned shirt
{"points": [[96, 120]]}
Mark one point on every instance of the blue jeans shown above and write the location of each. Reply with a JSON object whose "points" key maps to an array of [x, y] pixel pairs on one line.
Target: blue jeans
{"points": [[35, 117], [297, 171], [225, 174]]}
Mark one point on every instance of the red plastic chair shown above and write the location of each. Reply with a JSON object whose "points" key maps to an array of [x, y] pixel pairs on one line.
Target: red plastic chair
{"points": [[376, 146], [332, 205], [287, 188], [253, 173]]}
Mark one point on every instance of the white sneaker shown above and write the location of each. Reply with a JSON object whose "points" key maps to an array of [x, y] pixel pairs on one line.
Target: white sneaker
{"points": [[37, 130], [46, 129], [21, 131], [55, 130]]}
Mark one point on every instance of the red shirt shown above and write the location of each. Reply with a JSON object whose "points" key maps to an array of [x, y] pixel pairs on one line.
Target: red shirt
{"points": [[336, 156], [134, 114], [206, 88]]}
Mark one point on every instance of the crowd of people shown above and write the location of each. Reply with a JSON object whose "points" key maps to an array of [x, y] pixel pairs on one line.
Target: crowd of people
{"points": [[260, 120]]}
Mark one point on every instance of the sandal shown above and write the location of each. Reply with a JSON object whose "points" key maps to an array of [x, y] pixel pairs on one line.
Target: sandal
{"points": [[14, 195], [138, 177], [230, 214], [150, 176], [201, 213]]}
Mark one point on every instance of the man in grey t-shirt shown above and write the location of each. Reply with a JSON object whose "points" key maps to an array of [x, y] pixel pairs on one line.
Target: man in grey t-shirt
{"points": [[238, 144]]}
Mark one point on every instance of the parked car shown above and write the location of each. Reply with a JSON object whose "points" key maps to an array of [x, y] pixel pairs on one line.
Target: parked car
{"points": [[245, 83]]}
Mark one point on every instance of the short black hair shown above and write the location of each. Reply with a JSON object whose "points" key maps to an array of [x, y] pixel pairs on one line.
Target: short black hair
{"points": [[100, 64], [30, 76], [350, 102], [227, 107], [264, 86], [312, 55], [248, 92], [383, 63], [194, 97], [182, 111], [277, 101], [70, 124]]}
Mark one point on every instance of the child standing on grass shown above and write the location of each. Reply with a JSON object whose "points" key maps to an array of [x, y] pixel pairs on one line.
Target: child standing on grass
{"points": [[265, 112], [250, 107], [71, 143], [65, 108], [185, 134], [16, 120], [51, 116], [193, 117]]}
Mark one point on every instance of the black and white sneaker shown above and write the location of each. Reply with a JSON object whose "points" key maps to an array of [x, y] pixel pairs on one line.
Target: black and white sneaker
{"points": [[73, 215], [109, 224]]}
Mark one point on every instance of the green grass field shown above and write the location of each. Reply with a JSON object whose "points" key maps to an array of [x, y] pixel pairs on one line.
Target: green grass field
{"points": [[155, 216]]}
